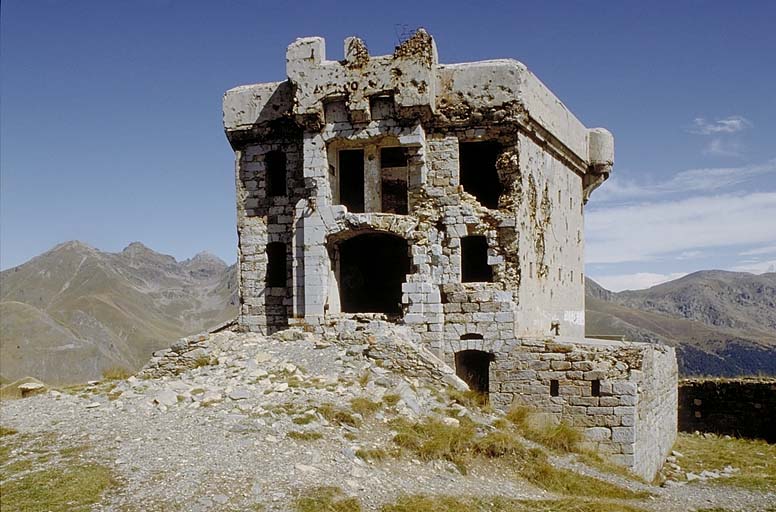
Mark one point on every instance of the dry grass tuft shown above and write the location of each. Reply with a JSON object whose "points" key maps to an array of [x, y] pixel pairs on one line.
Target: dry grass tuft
{"points": [[421, 503], [559, 437], [305, 435], [5, 431], [372, 454], [391, 399], [339, 416], [470, 398], [364, 406], [499, 444], [538, 470], [116, 373], [432, 439], [326, 499]]}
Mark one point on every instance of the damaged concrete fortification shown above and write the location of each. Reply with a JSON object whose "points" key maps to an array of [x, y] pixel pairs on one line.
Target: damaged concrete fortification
{"points": [[448, 198]]}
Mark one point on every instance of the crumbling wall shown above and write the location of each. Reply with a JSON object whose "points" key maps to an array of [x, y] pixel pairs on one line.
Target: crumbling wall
{"points": [[263, 219]]}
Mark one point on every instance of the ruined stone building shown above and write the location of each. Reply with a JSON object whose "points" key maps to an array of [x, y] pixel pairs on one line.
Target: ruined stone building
{"points": [[448, 198]]}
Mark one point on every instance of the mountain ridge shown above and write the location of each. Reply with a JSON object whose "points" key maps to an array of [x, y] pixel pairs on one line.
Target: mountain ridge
{"points": [[720, 322], [71, 312], [92, 310]]}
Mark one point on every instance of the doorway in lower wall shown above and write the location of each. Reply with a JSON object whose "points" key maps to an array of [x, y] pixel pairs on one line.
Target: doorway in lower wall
{"points": [[473, 367]]}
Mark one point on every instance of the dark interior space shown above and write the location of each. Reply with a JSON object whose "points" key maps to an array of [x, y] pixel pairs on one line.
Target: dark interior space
{"points": [[393, 180], [472, 367], [595, 387], [276, 264], [554, 388], [474, 260], [477, 171], [393, 157], [275, 162], [351, 179], [372, 268]]}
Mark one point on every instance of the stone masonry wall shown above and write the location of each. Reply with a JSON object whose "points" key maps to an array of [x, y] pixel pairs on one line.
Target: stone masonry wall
{"points": [[737, 407], [656, 409], [615, 421]]}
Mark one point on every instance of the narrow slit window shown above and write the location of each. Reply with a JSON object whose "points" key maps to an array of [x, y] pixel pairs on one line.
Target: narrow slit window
{"points": [[351, 179], [276, 264], [474, 260], [275, 162], [595, 387], [554, 388], [477, 171]]}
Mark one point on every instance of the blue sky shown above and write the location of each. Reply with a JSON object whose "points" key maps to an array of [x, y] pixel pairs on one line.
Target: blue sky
{"points": [[111, 123]]}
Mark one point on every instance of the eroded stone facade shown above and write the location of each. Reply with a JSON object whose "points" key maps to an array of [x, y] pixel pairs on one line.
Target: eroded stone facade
{"points": [[448, 198]]}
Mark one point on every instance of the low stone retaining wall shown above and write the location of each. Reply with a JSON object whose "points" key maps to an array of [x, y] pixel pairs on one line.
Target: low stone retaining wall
{"points": [[736, 407]]}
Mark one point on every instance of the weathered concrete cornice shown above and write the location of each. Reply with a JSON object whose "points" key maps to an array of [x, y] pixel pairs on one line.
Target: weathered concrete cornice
{"points": [[443, 95]]}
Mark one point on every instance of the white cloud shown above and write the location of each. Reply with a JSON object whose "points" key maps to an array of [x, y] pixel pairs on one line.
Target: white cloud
{"points": [[642, 232], [731, 124], [723, 147], [702, 180], [689, 255], [767, 249], [637, 281], [756, 267]]}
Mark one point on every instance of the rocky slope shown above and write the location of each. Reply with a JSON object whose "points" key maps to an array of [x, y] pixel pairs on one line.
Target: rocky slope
{"points": [[263, 420], [722, 323], [72, 312]]}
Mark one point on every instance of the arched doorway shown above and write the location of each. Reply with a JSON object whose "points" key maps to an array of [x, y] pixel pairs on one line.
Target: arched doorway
{"points": [[472, 366], [372, 267]]}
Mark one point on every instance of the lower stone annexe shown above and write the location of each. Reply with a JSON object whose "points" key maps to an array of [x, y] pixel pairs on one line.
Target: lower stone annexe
{"points": [[622, 395]]}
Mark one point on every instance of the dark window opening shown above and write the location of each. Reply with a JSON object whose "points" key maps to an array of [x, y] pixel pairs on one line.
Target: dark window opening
{"points": [[554, 388], [275, 162], [351, 179], [595, 387], [477, 171], [393, 180], [276, 264], [471, 336], [372, 268], [474, 260], [472, 366], [393, 157]]}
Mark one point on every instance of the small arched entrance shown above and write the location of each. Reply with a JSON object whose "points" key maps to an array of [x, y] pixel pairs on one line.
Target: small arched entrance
{"points": [[371, 270], [473, 366]]}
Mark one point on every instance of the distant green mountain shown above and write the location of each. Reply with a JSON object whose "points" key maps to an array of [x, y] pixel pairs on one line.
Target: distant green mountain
{"points": [[74, 311], [721, 323]]}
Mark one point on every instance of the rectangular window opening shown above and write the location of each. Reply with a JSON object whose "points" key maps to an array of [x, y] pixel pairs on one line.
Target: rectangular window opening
{"points": [[276, 264], [275, 162], [595, 387], [554, 388], [477, 171], [474, 260], [351, 179], [393, 180]]}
